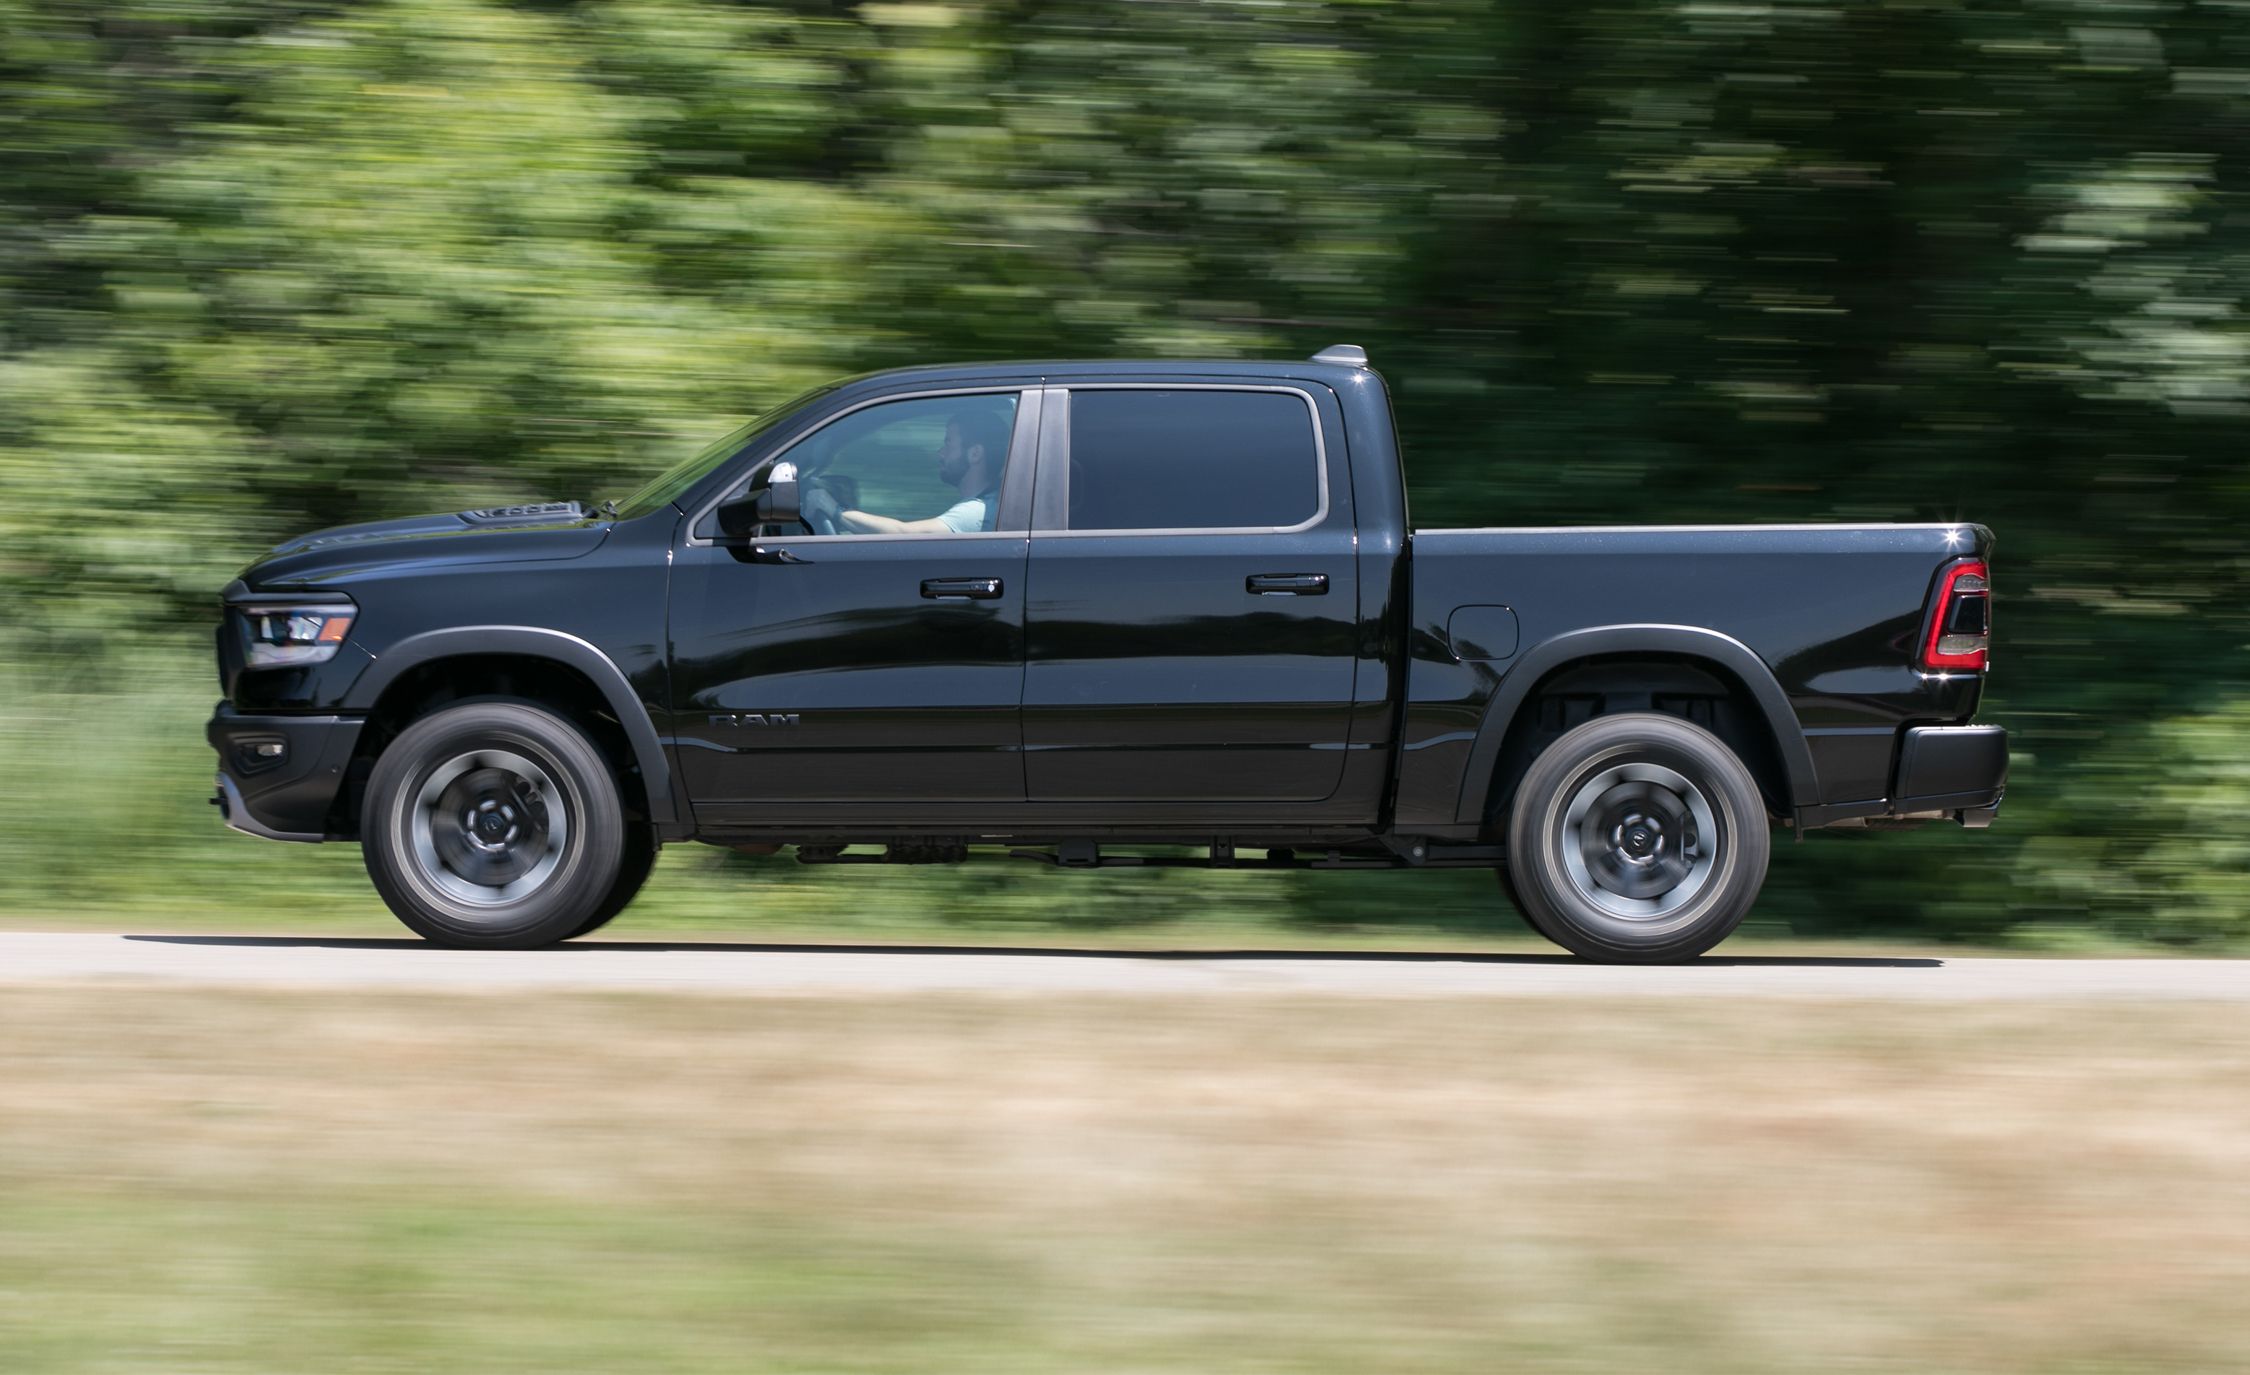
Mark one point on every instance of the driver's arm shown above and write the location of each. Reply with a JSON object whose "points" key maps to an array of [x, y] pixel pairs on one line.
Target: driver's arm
{"points": [[868, 523]]}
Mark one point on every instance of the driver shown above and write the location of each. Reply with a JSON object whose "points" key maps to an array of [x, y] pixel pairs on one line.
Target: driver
{"points": [[969, 461]]}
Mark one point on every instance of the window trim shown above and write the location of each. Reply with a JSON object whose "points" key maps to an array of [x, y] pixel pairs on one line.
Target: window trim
{"points": [[1016, 482], [1051, 504]]}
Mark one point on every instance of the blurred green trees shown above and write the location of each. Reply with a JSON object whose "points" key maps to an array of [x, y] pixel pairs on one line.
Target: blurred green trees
{"points": [[266, 266]]}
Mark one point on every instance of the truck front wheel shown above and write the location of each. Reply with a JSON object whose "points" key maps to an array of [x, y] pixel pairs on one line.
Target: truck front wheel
{"points": [[1638, 839], [633, 868], [493, 825]]}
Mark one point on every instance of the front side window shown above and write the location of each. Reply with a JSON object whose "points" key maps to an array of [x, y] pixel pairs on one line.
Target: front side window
{"points": [[1151, 459], [928, 466]]}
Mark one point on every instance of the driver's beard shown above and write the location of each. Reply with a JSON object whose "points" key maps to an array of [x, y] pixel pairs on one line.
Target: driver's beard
{"points": [[952, 470]]}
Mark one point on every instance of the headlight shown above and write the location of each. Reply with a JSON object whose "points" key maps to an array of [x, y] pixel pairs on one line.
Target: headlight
{"points": [[276, 635]]}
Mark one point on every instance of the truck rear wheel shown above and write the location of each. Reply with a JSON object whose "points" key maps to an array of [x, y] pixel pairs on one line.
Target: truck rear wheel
{"points": [[493, 825], [1507, 879], [1638, 839]]}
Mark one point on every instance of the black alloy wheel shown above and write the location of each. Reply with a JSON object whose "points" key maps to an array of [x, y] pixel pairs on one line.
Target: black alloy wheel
{"points": [[493, 825], [633, 868], [1507, 879], [1639, 839]]}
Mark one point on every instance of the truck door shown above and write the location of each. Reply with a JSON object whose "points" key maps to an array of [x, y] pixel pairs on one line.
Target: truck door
{"points": [[864, 668], [1193, 602]]}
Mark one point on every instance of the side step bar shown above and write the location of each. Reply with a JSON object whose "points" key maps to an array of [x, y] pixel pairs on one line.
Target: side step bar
{"points": [[1406, 853]]}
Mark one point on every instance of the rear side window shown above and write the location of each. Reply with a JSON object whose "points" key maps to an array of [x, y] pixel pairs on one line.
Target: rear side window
{"points": [[1191, 460]]}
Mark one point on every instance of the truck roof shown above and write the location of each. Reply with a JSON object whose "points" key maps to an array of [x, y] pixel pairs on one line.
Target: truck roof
{"points": [[1327, 369]]}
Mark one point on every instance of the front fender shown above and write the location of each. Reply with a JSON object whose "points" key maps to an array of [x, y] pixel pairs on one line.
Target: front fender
{"points": [[538, 643]]}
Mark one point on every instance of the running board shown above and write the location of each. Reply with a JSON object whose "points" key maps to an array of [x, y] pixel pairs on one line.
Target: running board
{"points": [[1086, 854], [1406, 854]]}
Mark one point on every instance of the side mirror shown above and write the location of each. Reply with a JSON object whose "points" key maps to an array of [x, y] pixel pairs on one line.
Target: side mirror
{"points": [[773, 504]]}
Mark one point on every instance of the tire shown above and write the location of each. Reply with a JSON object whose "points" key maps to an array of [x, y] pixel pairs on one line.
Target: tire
{"points": [[1507, 879], [1638, 839], [493, 826], [632, 871]]}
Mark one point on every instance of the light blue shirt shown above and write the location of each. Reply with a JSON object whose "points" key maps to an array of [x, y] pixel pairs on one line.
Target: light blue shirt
{"points": [[976, 513]]}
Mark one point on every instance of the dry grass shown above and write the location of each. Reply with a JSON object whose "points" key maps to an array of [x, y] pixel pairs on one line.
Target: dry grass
{"points": [[235, 1182]]}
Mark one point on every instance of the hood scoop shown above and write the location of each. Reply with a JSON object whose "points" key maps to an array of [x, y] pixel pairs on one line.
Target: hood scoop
{"points": [[451, 523], [531, 513]]}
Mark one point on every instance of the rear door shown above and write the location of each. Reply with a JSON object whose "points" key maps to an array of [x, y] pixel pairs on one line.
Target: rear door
{"points": [[1192, 610]]}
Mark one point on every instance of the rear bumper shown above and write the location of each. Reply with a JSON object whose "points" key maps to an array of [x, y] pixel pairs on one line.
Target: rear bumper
{"points": [[1952, 769], [1956, 773], [278, 775]]}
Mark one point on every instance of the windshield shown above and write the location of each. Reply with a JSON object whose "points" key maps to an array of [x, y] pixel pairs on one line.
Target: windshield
{"points": [[677, 479]]}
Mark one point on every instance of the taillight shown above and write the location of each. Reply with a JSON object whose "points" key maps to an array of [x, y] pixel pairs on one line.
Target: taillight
{"points": [[1961, 626]]}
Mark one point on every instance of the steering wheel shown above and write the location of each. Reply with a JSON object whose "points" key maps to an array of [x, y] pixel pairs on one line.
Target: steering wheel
{"points": [[821, 520]]}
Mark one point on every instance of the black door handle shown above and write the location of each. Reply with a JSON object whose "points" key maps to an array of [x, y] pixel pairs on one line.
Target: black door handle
{"points": [[960, 589], [1288, 584]]}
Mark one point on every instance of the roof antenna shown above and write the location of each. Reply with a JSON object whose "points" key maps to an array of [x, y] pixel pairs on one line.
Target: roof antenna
{"points": [[1350, 355]]}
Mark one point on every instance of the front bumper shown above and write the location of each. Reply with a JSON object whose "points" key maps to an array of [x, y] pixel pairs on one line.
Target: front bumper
{"points": [[279, 775]]}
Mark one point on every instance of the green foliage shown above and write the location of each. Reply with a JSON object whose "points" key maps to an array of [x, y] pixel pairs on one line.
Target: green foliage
{"points": [[2154, 853], [266, 266]]}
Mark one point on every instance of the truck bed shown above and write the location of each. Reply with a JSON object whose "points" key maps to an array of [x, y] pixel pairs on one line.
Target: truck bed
{"points": [[1831, 612]]}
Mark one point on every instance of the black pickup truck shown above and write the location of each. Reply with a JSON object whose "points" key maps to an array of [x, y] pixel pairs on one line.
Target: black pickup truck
{"points": [[1095, 613]]}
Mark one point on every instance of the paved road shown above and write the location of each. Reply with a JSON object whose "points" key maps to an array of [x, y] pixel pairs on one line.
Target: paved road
{"points": [[325, 962]]}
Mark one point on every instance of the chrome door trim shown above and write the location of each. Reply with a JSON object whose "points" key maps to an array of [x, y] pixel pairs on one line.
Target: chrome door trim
{"points": [[1051, 509]]}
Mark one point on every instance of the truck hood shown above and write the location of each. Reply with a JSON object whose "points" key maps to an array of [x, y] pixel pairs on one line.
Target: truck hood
{"points": [[511, 534]]}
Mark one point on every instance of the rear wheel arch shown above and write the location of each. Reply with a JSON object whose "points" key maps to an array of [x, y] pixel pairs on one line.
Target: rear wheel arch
{"points": [[1660, 668]]}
